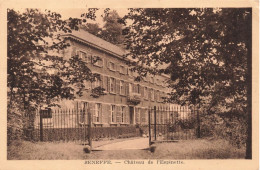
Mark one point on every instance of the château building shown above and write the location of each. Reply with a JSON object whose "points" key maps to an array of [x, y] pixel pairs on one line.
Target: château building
{"points": [[126, 100]]}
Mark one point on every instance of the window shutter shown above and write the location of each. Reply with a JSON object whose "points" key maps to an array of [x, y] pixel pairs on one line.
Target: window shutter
{"points": [[123, 89], [127, 114], [136, 115], [125, 70], [92, 111], [133, 88], [101, 113], [108, 84], [105, 82], [114, 85], [107, 64], [73, 53], [141, 116], [126, 88], [118, 114], [117, 86], [144, 115], [101, 81], [109, 113], [91, 85], [142, 91]]}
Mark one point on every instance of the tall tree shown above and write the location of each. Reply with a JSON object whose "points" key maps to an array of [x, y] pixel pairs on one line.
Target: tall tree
{"points": [[92, 28], [112, 29], [207, 52], [37, 72]]}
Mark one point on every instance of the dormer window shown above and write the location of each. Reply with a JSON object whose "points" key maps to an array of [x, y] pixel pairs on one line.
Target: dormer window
{"points": [[122, 70], [84, 56], [112, 66], [97, 61]]}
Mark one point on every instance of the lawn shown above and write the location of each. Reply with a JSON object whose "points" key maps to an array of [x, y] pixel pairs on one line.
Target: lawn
{"points": [[184, 149]]}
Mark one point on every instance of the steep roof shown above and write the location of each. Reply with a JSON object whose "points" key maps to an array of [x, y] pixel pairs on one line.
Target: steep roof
{"points": [[97, 42], [101, 44]]}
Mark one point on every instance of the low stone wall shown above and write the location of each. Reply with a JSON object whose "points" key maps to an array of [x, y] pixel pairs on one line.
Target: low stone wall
{"points": [[71, 134]]}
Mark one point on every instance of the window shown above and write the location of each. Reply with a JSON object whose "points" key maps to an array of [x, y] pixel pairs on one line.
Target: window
{"points": [[84, 56], [145, 93], [122, 114], [81, 54], [97, 61], [158, 96], [131, 88], [112, 66], [89, 57], [113, 113], [152, 80], [112, 85], [97, 112], [137, 115], [129, 72], [157, 82], [121, 89], [96, 83], [152, 94], [122, 70], [136, 88]]}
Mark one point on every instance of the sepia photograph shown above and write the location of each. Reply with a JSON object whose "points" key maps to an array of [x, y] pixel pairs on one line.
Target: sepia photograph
{"points": [[137, 85]]}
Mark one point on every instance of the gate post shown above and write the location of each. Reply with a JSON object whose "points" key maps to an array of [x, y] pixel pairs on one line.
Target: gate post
{"points": [[198, 120], [89, 128], [154, 122], [41, 127], [149, 121]]}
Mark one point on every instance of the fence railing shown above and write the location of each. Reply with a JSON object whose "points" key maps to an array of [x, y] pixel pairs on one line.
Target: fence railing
{"points": [[166, 125], [160, 124]]}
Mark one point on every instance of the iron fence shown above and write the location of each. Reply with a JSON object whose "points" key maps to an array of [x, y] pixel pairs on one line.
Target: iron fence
{"points": [[158, 123], [173, 123]]}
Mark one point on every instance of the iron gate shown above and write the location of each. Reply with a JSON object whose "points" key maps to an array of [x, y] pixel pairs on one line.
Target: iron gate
{"points": [[175, 123]]}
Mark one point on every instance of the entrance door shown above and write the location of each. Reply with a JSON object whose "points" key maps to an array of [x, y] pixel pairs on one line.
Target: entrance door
{"points": [[131, 109]]}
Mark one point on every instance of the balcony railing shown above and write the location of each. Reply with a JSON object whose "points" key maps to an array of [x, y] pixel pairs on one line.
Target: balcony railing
{"points": [[134, 98]]}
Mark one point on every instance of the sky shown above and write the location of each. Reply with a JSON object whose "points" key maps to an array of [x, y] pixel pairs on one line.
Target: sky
{"points": [[76, 12], [66, 13]]}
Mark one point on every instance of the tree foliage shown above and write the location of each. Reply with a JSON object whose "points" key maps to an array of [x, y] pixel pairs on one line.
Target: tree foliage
{"points": [[204, 50], [92, 28], [207, 53], [37, 72], [112, 30]]}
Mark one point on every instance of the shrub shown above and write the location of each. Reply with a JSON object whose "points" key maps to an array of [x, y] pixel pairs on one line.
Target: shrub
{"points": [[232, 129], [14, 125]]}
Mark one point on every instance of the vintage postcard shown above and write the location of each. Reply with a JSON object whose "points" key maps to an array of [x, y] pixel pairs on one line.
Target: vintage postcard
{"points": [[129, 84]]}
